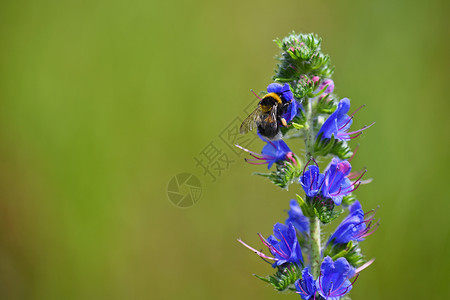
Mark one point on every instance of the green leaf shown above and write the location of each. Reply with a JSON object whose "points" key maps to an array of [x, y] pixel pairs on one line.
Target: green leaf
{"points": [[301, 55], [284, 278], [287, 172], [297, 126], [324, 209], [351, 251]]}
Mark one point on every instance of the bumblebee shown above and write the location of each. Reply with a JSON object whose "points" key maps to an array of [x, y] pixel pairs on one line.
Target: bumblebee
{"points": [[267, 117]]}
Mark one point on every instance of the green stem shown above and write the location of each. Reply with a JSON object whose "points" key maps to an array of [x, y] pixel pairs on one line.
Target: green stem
{"points": [[314, 223], [314, 238], [309, 141]]}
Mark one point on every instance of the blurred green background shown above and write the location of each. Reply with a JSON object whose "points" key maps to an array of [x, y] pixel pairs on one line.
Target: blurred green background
{"points": [[102, 102]]}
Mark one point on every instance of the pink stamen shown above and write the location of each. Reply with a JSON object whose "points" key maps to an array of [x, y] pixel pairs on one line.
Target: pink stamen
{"points": [[364, 172], [300, 285], [373, 229], [248, 151], [366, 181], [304, 169], [256, 251], [359, 130], [354, 137], [371, 212], [348, 192], [353, 175], [357, 271], [272, 248], [285, 241], [320, 284], [334, 176], [335, 194], [349, 119], [315, 161], [355, 188], [354, 153], [357, 110], [312, 181]]}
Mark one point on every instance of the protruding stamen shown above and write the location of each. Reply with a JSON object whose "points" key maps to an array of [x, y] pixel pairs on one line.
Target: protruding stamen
{"points": [[353, 175], [248, 151], [272, 248], [312, 181], [287, 244], [349, 119], [338, 192], [357, 180], [358, 270], [304, 169], [357, 110], [354, 153], [359, 130], [256, 251], [355, 136], [315, 162], [300, 285]]}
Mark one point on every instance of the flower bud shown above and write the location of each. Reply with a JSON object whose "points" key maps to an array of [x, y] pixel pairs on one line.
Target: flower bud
{"points": [[330, 87]]}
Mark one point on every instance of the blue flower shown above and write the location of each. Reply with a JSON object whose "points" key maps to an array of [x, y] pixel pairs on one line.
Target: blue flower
{"points": [[275, 151], [292, 111], [272, 152], [336, 185], [306, 286], [283, 90], [283, 245], [296, 217], [286, 96], [354, 227], [333, 282], [339, 122], [312, 181]]}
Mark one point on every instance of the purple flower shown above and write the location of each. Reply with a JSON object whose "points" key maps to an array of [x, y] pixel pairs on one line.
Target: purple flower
{"points": [[312, 181], [336, 185], [330, 86], [296, 217], [354, 227], [338, 123], [333, 282], [306, 286], [284, 91], [272, 152], [283, 245], [292, 111]]}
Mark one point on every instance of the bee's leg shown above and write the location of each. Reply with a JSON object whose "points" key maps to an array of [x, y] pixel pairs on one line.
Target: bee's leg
{"points": [[283, 121]]}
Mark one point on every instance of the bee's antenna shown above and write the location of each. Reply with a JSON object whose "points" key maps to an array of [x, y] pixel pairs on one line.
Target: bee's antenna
{"points": [[255, 95]]}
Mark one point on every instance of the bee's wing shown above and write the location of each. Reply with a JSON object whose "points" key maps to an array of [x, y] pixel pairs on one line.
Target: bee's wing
{"points": [[251, 121], [271, 119]]}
